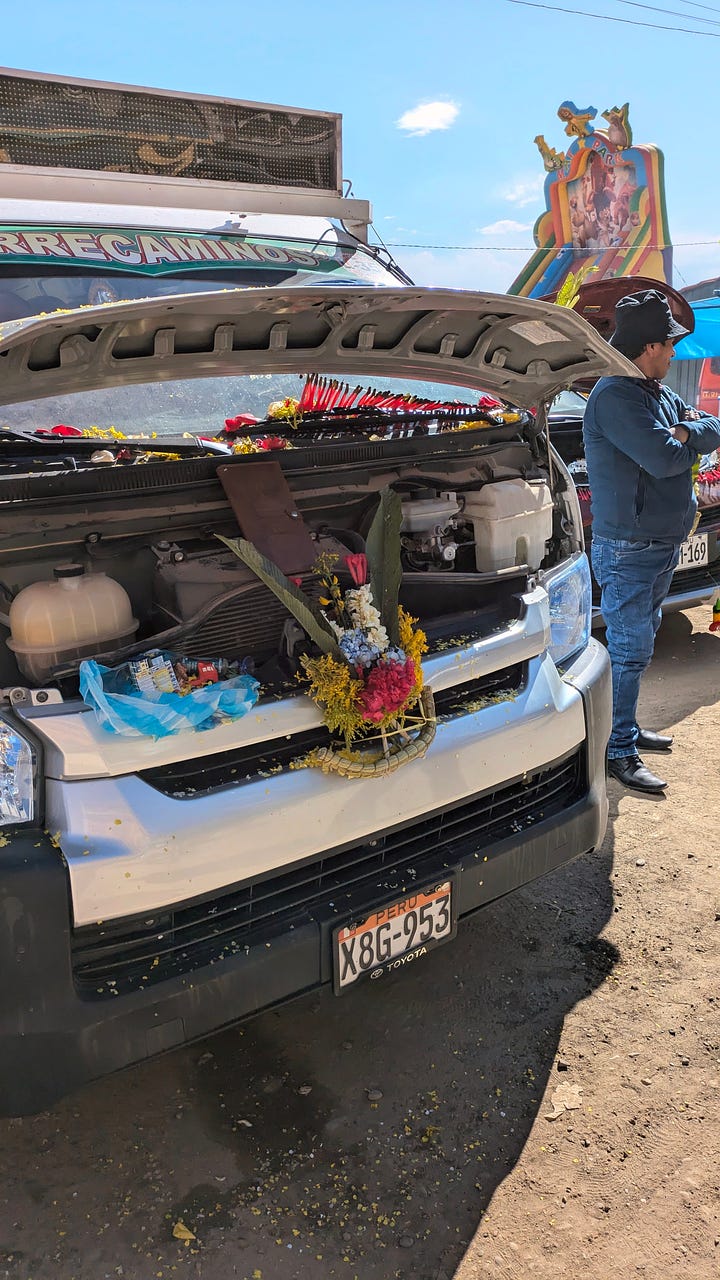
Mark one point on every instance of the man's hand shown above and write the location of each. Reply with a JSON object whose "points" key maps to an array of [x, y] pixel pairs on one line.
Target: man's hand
{"points": [[680, 433]]}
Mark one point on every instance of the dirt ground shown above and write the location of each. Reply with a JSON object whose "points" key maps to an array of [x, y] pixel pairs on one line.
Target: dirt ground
{"points": [[629, 1182], [411, 1136]]}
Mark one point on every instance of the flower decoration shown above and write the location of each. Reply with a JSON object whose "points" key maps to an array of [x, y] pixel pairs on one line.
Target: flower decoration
{"points": [[236, 424], [706, 475], [493, 418], [367, 677], [240, 427], [88, 433], [287, 410], [357, 568], [329, 403], [264, 444]]}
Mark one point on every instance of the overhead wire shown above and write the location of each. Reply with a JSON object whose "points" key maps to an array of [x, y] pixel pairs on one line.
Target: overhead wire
{"points": [[627, 22], [671, 13], [711, 8], [505, 248]]}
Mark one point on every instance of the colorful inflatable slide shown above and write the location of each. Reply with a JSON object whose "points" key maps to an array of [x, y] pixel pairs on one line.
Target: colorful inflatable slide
{"points": [[605, 206]]}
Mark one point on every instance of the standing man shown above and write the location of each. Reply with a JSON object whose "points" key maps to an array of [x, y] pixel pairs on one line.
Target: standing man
{"points": [[641, 441]]}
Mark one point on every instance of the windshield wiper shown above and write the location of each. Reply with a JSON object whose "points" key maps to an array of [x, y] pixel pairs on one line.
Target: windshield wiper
{"points": [[87, 445]]}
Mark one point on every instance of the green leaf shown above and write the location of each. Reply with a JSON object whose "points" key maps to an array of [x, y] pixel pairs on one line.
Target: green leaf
{"points": [[302, 608], [383, 552]]}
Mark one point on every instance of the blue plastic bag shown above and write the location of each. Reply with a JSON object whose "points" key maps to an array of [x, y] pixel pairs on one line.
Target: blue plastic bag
{"points": [[134, 714]]}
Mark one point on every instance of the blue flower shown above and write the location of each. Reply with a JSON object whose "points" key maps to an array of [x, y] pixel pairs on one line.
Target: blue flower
{"points": [[357, 649], [395, 655]]}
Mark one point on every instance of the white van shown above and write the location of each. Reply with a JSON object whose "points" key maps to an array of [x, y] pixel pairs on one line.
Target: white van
{"points": [[156, 890]]}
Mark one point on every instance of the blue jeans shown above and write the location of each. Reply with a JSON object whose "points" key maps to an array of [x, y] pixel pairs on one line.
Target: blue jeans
{"points": [[634, 578]]}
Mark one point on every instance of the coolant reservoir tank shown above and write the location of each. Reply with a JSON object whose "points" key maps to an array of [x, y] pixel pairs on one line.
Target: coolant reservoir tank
{"points": [[77, 615], [512, 522]]}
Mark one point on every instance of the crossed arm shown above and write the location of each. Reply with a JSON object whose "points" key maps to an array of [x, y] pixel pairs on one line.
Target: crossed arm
{"points": [[663, 451]]}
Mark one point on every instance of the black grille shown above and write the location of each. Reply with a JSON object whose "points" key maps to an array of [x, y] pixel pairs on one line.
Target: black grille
{"points": [[230, 768], [131, 954], [709, 521], [706, 575]]}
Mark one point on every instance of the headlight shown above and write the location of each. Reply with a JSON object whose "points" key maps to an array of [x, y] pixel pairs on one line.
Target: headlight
{"points": [[17, 777], [570, 593]]}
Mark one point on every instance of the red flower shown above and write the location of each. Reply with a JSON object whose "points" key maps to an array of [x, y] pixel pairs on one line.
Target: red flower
{"points": [[62, 430], [242, 420], [272, 442], [357, 566], [386, 689]]}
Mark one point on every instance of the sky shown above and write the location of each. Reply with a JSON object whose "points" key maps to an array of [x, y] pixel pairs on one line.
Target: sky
{"points": [[441, 101]]}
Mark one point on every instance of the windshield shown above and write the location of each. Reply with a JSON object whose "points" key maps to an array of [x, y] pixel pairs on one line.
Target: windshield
{"points": [[203, 406], [45, 269], [568, 404]]}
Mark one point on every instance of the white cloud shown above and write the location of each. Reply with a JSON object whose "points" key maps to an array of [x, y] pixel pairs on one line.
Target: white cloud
{"points": [[526, 191], [505, 227], [428, 117], [461, 269]]}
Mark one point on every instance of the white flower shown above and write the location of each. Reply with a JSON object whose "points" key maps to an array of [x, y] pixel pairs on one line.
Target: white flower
{"points": [[359, 604], [379, 637]]}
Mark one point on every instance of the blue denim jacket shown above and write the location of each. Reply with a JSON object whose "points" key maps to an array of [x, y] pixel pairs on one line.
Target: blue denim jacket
{"points": [[640, 476]]}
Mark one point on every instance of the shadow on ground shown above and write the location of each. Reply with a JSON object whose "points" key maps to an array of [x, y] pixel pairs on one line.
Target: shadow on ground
{"points": [[360, 1137], [678, 643]]}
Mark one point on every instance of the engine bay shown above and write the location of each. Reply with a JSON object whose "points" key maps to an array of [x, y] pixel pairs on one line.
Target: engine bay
{"points": [[109, 562]]}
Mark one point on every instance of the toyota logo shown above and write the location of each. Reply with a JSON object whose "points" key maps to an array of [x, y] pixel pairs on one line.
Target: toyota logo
{"points": [[376, 973]]}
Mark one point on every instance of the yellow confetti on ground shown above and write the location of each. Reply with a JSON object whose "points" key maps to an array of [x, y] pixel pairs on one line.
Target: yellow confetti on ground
{"points": [[181, 1232]]}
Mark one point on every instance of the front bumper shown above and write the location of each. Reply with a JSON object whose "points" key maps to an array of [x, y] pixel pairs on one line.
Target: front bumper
{"points": [[53, 1037]]}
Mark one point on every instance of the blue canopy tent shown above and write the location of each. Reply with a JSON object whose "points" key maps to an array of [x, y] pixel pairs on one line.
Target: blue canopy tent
{"points": [[704, 341]]}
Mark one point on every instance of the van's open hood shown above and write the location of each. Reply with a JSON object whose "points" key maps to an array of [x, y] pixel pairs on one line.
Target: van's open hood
{"points": [[519, 349]]}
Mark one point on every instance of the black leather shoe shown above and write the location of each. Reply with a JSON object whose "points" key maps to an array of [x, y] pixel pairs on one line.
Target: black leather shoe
{"points": [[631, 772], [649, 741]]}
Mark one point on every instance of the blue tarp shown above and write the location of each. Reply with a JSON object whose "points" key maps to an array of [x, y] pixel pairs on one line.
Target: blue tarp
{"points": [[705, 340]]}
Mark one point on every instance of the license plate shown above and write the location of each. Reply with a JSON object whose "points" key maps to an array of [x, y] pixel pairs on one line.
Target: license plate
{"points": [[694, 552], [394, 936]]}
